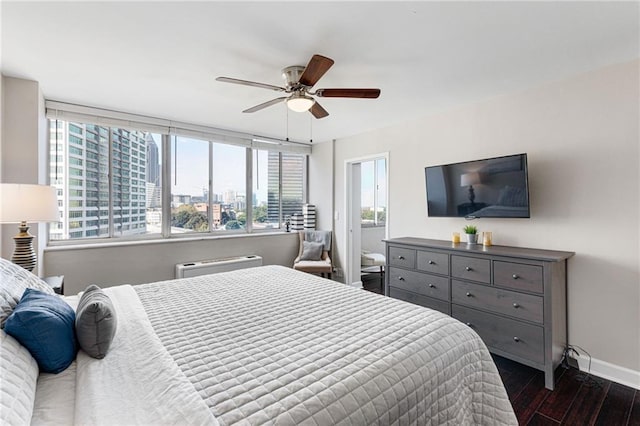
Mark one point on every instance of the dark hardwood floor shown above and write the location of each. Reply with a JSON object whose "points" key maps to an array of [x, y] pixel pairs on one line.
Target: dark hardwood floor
{"points": [[578, 398], [373, 282]]}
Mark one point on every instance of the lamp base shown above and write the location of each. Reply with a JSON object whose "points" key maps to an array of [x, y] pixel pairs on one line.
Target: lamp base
{"points": [[472, 194], [24, 255]]}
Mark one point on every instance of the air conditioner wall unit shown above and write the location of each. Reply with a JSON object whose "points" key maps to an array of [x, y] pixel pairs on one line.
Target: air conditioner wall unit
{"points": [[214, 266]]}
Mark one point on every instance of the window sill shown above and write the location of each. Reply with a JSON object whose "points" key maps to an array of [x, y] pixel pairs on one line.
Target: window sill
{"points": [[75, 245]]}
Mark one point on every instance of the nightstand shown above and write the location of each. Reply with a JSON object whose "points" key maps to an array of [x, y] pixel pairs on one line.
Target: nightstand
{"points": [[467, 209], [56, 283]]}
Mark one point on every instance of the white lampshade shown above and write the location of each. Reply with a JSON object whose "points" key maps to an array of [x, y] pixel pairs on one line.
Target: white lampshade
{"points": [[300, 103], [28, 203], [467, 179]]}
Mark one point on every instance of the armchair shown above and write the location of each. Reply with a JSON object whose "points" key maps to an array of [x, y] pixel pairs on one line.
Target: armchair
{"points": [[314, 253]]}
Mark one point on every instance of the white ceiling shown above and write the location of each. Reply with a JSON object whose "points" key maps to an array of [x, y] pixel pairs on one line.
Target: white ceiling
{"points": [[161, 58]]}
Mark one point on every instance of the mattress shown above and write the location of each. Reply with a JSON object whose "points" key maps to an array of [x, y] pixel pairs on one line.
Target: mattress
{"points": [[271, 345]]}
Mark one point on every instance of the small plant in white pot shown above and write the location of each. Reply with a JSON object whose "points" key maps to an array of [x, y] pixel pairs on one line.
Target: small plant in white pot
{"points": [[472, 234]]}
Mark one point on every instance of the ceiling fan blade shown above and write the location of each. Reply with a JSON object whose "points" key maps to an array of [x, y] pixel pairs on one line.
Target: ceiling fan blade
{"points": [[348, 93], [265, 104], [250, 83], [315, 69], [318, 111]]}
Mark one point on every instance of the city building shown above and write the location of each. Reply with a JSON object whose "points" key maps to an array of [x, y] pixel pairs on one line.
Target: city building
{"points": [[79, 157]]}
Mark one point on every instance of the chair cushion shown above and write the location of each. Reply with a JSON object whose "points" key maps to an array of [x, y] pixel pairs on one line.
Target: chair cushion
{"points": [[314, 266], [372, 259]]}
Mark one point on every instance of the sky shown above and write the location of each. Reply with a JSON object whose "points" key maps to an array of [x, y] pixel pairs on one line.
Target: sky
{"points": [[229, 168]]}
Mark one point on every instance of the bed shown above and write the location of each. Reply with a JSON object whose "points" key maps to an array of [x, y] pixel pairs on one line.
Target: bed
{"points": [[270, 345]]}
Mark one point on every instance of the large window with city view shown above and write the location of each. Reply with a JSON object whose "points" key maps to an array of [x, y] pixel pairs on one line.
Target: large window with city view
{"points": [[109, 183]]}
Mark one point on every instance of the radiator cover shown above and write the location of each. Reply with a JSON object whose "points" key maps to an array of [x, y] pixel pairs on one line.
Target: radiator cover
{"points": [[213, 266]]}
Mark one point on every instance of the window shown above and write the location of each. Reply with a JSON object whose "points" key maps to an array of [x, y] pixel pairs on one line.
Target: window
{"points": [[109, 178], [88, 192], [194, 203], [278, 187], [373, 192], [189, 185]]}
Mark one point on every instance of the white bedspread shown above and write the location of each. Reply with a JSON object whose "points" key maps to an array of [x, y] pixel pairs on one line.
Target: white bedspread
{"points": [[137, 383], [271, 345]]}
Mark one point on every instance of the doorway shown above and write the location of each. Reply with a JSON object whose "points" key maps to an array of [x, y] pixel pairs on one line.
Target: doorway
{"points": [[367, 212]]}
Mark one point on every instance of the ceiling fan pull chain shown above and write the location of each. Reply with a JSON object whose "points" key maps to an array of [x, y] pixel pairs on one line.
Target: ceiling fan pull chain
{"points": [[310, 130]]}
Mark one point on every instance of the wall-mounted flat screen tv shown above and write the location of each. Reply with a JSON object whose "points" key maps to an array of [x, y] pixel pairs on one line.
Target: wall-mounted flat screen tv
{"points": [[493, 187]]}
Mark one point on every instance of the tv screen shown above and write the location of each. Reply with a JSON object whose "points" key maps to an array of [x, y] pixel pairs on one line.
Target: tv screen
{"points": [[494, 187]]}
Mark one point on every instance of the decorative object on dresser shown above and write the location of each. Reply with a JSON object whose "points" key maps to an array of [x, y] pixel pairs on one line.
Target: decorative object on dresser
{"points": [[24, 203], [514, 298], [472, 234]]}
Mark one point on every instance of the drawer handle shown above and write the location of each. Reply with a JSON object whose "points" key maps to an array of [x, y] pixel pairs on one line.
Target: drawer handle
{"points": [[400, 278], [469, 294], [400, 257], [431, 262], [516, 339], [468, 268], [432, 286], [515, 305], [515, 276]]}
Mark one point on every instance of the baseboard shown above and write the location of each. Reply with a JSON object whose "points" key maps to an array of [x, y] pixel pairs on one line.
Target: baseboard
{"points": [[357, 284], [615, 373]]}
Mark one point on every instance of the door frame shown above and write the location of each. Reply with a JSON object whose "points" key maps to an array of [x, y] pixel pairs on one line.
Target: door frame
{"points": [[349, 201]]}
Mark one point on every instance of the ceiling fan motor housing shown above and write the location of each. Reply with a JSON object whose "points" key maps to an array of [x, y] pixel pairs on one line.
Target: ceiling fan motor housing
{"points": [[292, 75]]}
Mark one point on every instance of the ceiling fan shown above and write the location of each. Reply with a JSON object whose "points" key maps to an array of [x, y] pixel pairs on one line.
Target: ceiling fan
{"points": [[299, 80]]}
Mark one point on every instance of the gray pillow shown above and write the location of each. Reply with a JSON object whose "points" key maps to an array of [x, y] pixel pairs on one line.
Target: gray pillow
{"points": [[311, 251], [96, 322]]}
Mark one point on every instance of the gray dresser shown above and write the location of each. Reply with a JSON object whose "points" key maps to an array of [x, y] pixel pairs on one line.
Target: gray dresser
{"points": [[514, 298]]}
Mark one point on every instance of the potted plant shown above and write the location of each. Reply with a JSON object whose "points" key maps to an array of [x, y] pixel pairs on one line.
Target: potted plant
{"points": [[472, 234]]}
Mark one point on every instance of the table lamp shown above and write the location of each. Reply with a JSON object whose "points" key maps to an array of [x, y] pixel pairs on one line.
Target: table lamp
{"points": [[22, 203], [470, 179]]}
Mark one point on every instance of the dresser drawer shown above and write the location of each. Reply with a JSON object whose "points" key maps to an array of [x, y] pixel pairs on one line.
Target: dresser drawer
{"points": [[471, 268], [421, 300], [403, 257], [519, 276], [524, 306], [434, 262], [511, 336], [417, 282]]}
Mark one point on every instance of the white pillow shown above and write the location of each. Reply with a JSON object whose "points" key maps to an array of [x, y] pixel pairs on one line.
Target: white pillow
{"points": [[19, 375], [14, 280]]}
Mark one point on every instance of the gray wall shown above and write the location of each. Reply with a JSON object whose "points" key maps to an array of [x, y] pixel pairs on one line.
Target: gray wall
{"points": [[112, 264]]}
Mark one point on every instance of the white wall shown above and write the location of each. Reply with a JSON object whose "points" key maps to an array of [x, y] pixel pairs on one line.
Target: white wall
{"points": [[582, 140], [321, 183]]}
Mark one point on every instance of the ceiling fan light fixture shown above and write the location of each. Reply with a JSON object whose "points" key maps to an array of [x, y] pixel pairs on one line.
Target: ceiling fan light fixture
{"points": [[300, 102]]}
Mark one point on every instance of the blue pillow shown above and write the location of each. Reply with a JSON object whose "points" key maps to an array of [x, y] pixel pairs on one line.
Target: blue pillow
{"points": [[45, 325]]}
